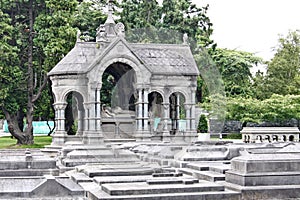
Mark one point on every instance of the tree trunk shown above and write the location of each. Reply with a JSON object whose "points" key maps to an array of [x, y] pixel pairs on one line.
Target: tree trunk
{"points": [[13, 127], [30, 81]]}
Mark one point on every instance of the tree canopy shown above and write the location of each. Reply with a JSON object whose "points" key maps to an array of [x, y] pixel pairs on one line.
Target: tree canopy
{"points": [[283, 75]]}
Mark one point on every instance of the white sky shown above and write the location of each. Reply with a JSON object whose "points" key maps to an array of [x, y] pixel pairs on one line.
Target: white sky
{"points": [[252, 25]]}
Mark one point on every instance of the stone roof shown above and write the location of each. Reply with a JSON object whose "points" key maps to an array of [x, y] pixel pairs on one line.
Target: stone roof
{"points": [[158, 58], [77, 60], [167, 58]]}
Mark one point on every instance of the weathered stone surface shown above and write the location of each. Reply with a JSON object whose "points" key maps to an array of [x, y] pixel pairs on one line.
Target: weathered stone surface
{"points": [[265, 169], [39, 187]]}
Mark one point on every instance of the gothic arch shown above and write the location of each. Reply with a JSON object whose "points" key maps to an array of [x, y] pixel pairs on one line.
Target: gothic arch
{"points": [[128, 60], [74, 113], [76, 92]]}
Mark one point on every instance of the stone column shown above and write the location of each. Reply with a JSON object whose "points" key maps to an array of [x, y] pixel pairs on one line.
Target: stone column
{"points": [[193, 114], [98, 109], [140, 110], [80, 118], [177, 111], [93, 134], [86, 117], [188, 116], [166, 132], [60, 114], [60, 134], [146, 117]]}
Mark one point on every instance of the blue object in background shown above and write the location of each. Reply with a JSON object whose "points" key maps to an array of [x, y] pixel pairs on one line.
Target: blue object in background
{"points": [[182, 125], [39, 127]]}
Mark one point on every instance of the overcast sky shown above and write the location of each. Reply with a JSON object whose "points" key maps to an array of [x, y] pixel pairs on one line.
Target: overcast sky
{"points": [[252, 25]]}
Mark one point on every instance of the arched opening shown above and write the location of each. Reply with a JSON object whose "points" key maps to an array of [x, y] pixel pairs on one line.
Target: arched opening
{"points": [[119, 87], [155, 112], [74, 114], [291, 138], [177, 111]]}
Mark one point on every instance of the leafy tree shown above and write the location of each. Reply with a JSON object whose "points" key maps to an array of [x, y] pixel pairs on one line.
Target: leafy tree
{"points": [[283, 75], [234, 67], [140, 13], [88, 16], [41, 36], [147, 21], [277, 108]]}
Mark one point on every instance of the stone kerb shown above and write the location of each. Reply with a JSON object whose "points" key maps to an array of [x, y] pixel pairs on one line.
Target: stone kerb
{"points": [[265, 169]]}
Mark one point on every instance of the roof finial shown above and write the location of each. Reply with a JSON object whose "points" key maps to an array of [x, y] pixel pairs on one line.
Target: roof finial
{"points": [[110, 19], [185, 39]]}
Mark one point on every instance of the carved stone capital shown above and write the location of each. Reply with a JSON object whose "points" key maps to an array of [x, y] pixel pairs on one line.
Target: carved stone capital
{"points": [[60, 105]]}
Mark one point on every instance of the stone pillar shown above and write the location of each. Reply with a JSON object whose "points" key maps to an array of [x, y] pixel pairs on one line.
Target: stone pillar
{"points": [[177, 111], [146, 117], [86, 117], [193, 114], [98, 109], [140, 110], [60, 115], [188, 116], [166, 132], [59, 137], [80, 119], [93, 134]]}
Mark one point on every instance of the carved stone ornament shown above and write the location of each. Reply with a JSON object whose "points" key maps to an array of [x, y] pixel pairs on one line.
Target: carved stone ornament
{"points": [[101, 34], [120, 29]]}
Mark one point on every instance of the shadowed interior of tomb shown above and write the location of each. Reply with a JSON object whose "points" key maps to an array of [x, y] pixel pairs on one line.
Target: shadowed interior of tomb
{"points": [[74, 114], [118, 101], [118, 86]]}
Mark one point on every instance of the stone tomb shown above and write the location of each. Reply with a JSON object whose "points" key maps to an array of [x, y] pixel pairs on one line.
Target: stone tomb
{"points": [[151, 81], [29, 174], [265, 176], [270, 134]]}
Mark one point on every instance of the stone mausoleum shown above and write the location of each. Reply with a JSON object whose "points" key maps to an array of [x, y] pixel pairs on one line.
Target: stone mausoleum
{"points": [[153, 96]]}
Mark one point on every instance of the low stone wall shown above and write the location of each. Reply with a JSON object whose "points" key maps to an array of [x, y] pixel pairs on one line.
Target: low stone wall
{"points": [[233, 126], [289, 123]]}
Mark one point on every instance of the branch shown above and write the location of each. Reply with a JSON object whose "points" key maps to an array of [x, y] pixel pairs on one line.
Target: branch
{"points": [[39, 93]]}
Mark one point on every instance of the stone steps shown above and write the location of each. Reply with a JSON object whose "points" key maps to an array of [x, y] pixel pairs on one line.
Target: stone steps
{"points": [[198, 166], [120, 179], [80, 177], [205, 175], [211, 176], [101, 195], [144, 188], [120, 172], [75, 162], [220, 168]]}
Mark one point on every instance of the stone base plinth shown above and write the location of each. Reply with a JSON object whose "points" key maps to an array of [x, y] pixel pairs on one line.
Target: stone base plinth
{"points": [[274, 175]]}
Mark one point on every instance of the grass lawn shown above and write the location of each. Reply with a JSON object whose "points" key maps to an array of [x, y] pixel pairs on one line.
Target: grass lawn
{"points": [[7, 142]]}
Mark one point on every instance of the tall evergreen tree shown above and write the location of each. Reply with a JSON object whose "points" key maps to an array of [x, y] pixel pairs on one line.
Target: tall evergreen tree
{"points": [[42, 36], [283, 74], [148, 21]]}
